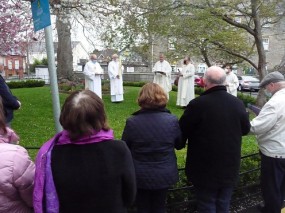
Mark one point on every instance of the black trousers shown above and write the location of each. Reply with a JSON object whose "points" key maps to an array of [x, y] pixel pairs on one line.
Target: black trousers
{"points": [[272, 183], [151, 201], [213, 200]]}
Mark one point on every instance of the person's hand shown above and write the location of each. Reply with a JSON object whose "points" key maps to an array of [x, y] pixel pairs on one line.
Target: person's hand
{"points": [[19, 104], [118, 77]]}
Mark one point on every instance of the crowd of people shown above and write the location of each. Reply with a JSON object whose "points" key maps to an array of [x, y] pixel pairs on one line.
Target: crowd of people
{"points": [[162, 76], [94, 73], [85, 169]]}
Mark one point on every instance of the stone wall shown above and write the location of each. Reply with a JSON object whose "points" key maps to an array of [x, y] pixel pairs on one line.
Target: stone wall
{"points": [[132, 77]]}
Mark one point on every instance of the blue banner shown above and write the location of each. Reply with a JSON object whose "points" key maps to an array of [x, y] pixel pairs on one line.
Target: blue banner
{"points": [[41, 14]]}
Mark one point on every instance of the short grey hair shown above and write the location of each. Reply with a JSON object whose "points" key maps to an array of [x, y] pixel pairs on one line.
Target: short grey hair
{"points": [[217, 79]]}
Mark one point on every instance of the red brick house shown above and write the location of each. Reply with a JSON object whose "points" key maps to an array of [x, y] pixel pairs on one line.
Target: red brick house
{"points": [[14, 65]]}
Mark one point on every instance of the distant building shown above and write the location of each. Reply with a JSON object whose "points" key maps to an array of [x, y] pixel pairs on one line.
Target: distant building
{"points": [[14, 65], [37, 50]]}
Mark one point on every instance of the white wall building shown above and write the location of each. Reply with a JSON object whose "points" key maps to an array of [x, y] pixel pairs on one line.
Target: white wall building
{"points": [[37, 50]]}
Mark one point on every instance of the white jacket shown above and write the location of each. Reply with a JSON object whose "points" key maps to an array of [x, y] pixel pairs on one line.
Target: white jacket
{"points": [[269, 126], [233, 83]]}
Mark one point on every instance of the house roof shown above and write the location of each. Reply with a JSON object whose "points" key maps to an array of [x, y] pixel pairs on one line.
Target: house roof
{"points": [[104, 54]]}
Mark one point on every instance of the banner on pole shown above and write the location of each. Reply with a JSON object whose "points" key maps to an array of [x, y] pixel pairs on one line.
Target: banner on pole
{"points": [[41, 14]]}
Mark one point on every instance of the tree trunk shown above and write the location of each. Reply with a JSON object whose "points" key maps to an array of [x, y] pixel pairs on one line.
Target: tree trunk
{"points": [[64, 49], [261, 67]]}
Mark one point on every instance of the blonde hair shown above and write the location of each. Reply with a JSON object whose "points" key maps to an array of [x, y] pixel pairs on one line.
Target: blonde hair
{"points": [[152, 96]]}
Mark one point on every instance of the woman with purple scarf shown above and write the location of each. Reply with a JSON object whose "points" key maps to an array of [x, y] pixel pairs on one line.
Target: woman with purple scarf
{"points": [[83, 169]]}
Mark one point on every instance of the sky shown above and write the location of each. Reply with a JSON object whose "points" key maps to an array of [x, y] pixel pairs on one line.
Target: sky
{"points": [[76, 35]]}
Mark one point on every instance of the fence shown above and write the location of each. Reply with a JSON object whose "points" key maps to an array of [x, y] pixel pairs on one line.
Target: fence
{"points": [[247, 193], [29, 77]]}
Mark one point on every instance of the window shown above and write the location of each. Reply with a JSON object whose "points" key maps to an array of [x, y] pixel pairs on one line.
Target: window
{"points": [[202, 68], [171, 43], [10, 64], [16, 64], [265, 43], [266, 22]]}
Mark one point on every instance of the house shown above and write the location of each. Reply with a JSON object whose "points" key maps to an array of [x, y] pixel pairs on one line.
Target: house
{"points": [[13, 65], [104, 56], [37, 50]]}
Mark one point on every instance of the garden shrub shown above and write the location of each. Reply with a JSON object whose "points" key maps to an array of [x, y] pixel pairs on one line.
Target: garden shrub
{"points": [[134, 84], [105, 86], [199, 90], [25, 84], [65, 87], [247, 99]]}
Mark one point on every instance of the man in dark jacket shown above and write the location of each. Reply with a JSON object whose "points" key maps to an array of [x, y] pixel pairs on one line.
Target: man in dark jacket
{"points": [[10, 102], [214, 124]]}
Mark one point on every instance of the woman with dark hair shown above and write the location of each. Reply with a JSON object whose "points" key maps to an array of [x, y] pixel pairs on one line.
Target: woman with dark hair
{"points": [[152, 133], [83, 169]]}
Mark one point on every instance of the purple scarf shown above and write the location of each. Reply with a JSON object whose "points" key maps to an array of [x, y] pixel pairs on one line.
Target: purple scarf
{"points": [[44, 187]]}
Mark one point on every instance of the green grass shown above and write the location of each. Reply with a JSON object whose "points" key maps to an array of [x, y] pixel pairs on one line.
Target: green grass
{"points": [[34, 121]]}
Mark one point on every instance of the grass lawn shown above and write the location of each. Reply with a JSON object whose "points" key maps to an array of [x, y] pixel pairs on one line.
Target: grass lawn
{"points": [[34, 121]]}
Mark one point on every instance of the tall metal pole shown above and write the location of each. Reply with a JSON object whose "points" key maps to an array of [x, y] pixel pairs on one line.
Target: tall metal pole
{"points": [[151, 54], [53, 77]]}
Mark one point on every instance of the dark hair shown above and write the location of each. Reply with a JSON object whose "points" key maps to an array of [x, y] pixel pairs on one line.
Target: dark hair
{"points": [[152, 96], [228, 65], [83, 112], [188, 58], [2, 118]]}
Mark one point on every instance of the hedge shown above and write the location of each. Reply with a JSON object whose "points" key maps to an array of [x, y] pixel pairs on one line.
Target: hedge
{"points": [[25, 84], [198, 91]]}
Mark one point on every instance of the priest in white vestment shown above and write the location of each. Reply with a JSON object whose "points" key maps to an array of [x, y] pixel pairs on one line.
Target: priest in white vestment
{"points": [[186, 91], [115, 72], [162, 74], [231, 82], [93, 73]]}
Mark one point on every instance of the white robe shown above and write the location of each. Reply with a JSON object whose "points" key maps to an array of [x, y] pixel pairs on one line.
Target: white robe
{"points": [[233, 83], [163, 80], [186, 91], [93, 72], [116, 84]]}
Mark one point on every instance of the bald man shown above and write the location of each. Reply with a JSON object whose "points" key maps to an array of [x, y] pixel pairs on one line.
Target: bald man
{"points": [[214, 124], [93, 73], [115, 72]]}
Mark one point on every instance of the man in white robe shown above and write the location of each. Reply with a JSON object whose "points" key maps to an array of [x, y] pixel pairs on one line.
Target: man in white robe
{"points": [[186, 91], [231, 82], [93, 73], [162, 74], [115, 72]]}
